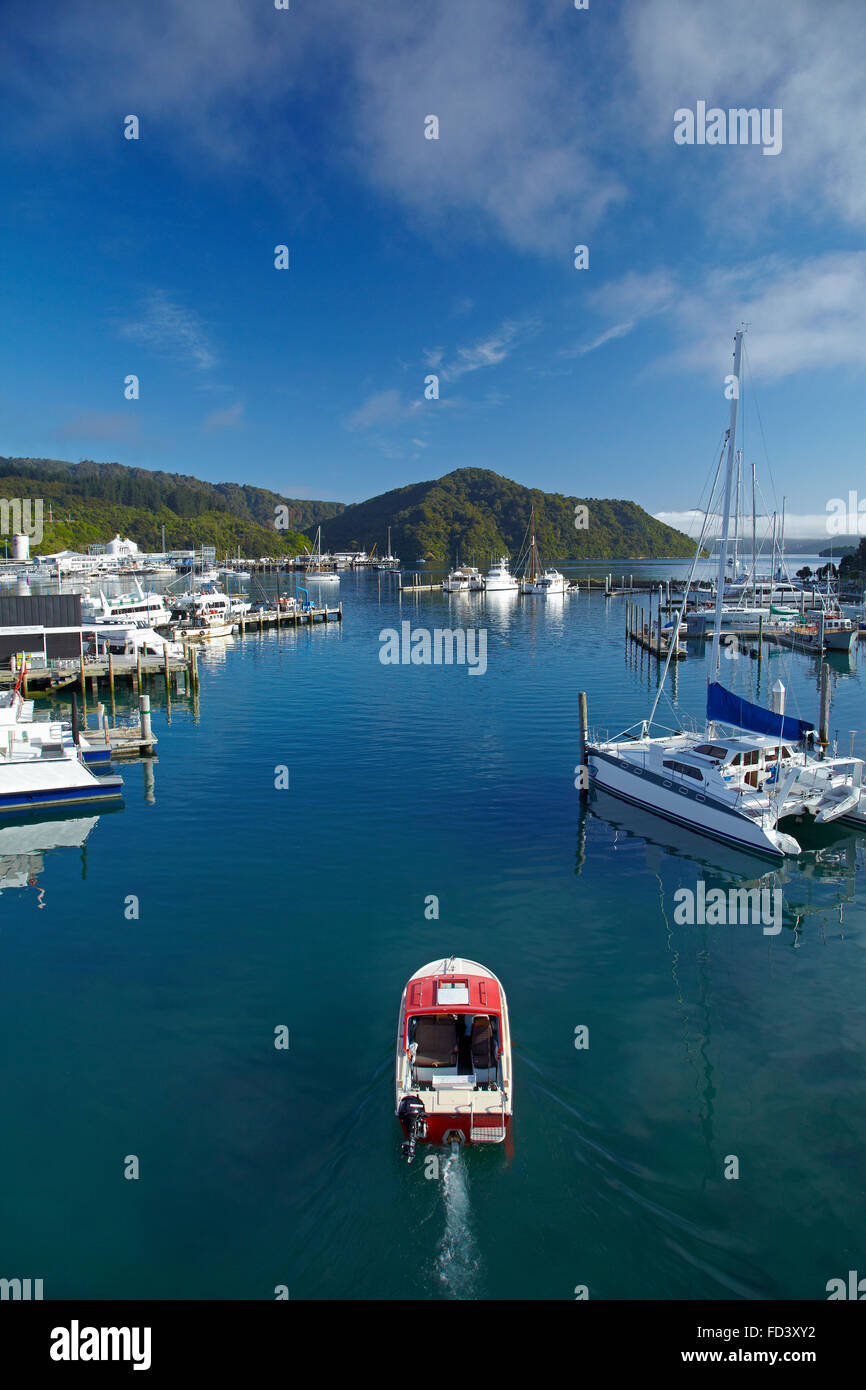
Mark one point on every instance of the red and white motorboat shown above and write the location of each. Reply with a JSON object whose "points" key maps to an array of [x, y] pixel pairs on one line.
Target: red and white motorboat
{"points": [[453, 1080]]}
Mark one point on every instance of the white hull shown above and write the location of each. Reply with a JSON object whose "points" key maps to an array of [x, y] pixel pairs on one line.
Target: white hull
{"points": [[670, 803]]}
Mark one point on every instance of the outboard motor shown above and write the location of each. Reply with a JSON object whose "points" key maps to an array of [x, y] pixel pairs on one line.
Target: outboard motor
{"points": [[413, 1117]]}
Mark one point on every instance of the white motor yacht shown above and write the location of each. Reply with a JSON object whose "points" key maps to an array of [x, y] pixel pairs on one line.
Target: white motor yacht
{"points": [[500, 579]]}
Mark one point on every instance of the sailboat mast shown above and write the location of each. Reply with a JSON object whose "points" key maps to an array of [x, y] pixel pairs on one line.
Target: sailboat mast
{"points": [[737, 513], [754, 542], [715, 661], [782, 543]]}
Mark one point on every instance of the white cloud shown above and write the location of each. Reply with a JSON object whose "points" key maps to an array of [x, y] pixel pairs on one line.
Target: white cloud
{"points": [[806, 315], [783, 53], [798, 525], [168, 328], [488, 352]]}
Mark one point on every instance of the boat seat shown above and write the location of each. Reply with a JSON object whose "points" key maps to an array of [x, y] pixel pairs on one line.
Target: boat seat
{"points": [[483, 1047], [436, 1037]]}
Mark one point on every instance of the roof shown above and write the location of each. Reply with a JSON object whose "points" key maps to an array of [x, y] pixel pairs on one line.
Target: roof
{"points": [[422, 995]]}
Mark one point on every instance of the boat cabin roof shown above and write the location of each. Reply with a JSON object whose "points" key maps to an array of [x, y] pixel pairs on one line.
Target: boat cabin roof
{"points": [[723, 749], [453, 993]]}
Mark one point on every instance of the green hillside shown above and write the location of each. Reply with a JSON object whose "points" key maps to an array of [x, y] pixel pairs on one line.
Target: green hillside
{"points": [[90, 502], [475, 513]]}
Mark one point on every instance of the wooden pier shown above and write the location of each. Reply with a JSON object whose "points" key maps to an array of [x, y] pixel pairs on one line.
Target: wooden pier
{"points": [[289, 617]]}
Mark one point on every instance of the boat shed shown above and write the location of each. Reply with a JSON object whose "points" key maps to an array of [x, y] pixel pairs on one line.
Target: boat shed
{"points": [[46, 623]]}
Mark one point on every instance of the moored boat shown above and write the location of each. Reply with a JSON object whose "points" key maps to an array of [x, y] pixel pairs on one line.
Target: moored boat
{"points": [[453, 1067]]}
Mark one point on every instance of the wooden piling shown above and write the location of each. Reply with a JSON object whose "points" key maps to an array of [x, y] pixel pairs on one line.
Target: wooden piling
{"points": [[583, 723], [111, 683], [82, 677], [824, 717], [138, 671]]}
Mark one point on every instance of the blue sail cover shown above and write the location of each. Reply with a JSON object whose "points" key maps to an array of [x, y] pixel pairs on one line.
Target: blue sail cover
{"points": [[731, 709]]}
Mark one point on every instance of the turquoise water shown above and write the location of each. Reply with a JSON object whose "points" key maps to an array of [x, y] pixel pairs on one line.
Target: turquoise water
{"points": [[305, 908]]}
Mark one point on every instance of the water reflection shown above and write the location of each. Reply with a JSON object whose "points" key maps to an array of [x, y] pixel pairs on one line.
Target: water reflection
{"points": [[24, 844], [831, 854]]}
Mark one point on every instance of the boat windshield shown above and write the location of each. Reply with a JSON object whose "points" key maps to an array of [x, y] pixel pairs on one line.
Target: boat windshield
{"points": [[461, 1043]]}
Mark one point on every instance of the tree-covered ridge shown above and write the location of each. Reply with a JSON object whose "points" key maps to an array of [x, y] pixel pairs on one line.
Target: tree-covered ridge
{"points": [[475, 513], [852, 568], [91, 501], [184, 495]]}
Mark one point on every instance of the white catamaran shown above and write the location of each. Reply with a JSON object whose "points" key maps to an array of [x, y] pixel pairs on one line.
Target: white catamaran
{"points": [[736, 786]]}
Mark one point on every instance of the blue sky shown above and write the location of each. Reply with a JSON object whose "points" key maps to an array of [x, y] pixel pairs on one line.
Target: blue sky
{"points": [[409, 256]]}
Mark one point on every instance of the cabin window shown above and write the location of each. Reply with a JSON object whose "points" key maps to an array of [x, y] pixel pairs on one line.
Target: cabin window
{"points": [[685, 770], [712, 750]]}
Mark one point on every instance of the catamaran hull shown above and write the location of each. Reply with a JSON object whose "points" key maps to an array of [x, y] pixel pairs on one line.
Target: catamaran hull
{"points": [[685, 807]]}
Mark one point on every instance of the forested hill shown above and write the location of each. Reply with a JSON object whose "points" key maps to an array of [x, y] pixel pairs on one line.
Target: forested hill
{"points": [[475, 513], [92, 501]]}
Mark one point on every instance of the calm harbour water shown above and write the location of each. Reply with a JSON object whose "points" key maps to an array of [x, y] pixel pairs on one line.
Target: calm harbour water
{"points": [[305, 907]]}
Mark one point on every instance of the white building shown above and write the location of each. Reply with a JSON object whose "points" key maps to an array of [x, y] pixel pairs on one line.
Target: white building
{"points": [[123, 549]]}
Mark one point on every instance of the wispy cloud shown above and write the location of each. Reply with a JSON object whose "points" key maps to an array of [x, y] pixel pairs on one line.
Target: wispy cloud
{"points": [[381, 409], [167, 328], [229, 418], [121, 427], [628, 302], [805, 315], [487, 352]]}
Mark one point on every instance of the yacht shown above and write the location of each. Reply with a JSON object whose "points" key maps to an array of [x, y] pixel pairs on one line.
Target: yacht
{"points": [[500, 579], [548, 583], [737, 786], [456, 583], [210, 602], [453, 1081]]}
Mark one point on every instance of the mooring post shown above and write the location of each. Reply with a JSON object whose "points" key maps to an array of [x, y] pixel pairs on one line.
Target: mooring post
{"points": [[138, 669], [824, 718], [76, 727], [584, 729], [144, 708], [81, 675], [760, 638]]}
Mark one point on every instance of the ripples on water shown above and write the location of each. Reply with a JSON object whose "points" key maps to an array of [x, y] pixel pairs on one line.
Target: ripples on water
{"points": [[306, 908]]}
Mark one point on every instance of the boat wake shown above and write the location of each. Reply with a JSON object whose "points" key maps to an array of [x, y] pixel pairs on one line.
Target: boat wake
{"points": [[457, 1257]]}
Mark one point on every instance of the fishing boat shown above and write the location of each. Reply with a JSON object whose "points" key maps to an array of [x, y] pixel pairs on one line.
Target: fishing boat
{"points": [[500, 579], [453, 1068], [148, 609], [210, 602], [737, 786]]}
